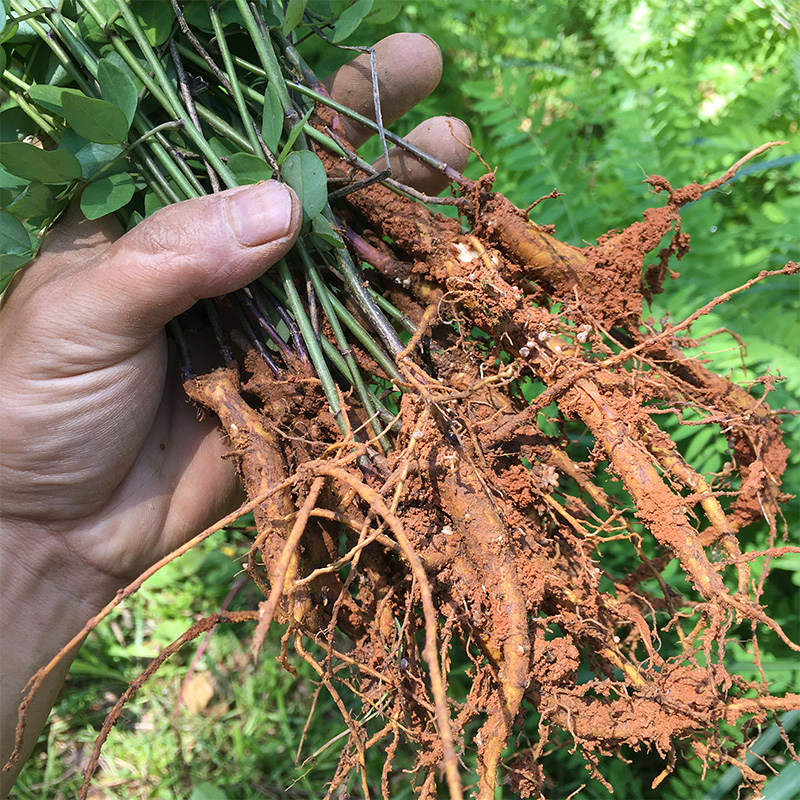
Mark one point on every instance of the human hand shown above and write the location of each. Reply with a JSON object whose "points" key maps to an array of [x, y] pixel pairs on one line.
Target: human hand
{"points": [[104, 464], [100, 447]]}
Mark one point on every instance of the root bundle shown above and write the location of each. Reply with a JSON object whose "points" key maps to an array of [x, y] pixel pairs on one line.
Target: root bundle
{"points": [[480, 536]]}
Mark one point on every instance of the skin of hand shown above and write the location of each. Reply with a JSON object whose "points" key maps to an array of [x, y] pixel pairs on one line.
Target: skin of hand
{"points": [[104, 465]]}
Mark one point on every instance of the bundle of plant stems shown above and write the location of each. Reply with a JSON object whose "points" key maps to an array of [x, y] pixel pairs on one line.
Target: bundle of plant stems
{"points": [[442, 423]]}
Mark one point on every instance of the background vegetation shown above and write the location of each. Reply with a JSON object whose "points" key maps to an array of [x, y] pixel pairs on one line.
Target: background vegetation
{"points": [[588, 98]]}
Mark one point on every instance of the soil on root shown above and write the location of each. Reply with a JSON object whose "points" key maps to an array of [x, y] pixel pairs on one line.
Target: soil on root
{"points": [[484, 539]]}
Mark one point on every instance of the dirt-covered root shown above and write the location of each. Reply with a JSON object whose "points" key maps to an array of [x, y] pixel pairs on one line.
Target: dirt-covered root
{"points": [[491, 552], [486, 540], [260, 458]]}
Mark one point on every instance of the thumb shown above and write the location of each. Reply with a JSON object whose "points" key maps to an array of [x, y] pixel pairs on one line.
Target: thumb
{"points": [[121, 298], [191, 250]]}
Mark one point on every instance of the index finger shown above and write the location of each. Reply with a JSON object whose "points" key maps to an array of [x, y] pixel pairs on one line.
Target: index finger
{"points": [[409, 67]]}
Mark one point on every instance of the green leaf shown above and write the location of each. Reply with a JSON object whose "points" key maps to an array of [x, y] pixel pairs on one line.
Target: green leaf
{"points": [[95, 120], [303, 171], [152, 202], [51, 97], [350, 19], [107, 194], [155, 18], [249, 168], [222, 147], [384, 12], [272, 120], [36, 201], [482, 90], [322, 228], [91, 155], [774, 213], [196, 14], [293, 16], [8, 32], [34, 164], [117, 87], [89, 29], [15, 124], [10, 184], [14, 239], [3, 59], [207, 791], [294, 133]]}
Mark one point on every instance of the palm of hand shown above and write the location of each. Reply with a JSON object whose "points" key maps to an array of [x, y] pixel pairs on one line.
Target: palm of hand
{"points": [[95, 428]]}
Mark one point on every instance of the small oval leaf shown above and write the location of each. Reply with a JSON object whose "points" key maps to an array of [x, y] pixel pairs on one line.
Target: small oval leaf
{"points": [[91, 155], [272, 119], [293, 16], [107, 194], [350, 19], [50, 97], [34, 164], [14, 239], [36, 201], [95, 120], [117, 87], [249, 168], [9, 264], [322, 228], [304, 172]]}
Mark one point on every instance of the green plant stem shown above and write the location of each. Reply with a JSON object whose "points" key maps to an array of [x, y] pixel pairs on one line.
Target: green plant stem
{"points": [[312, 343], [332, 354], [158, 85], [223, 128], [159, 182], [324, 100], [129, 148], [368, 343], [355, 282], [258, 97], [341, 340], [244, 114], [51, 129], [54, 46], [269, 63], [77, 48], [142, 124], [180, 162], [393, 312]]}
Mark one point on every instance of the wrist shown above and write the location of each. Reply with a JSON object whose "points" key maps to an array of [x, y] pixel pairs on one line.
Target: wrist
{"points": [[47, 593], [38, 563]]}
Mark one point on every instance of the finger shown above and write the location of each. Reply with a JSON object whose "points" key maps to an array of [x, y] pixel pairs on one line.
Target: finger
{"points": [[445, 138], [199, 248], [74, 240], [409, 67]]}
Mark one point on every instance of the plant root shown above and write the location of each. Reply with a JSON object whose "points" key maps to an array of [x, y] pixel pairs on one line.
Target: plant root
{"points": [[482, 535]]}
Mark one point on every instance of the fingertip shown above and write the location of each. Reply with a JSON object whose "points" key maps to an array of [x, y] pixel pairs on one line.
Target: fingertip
{"points": [[409, 68], [447, 139], [264, 213]]}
